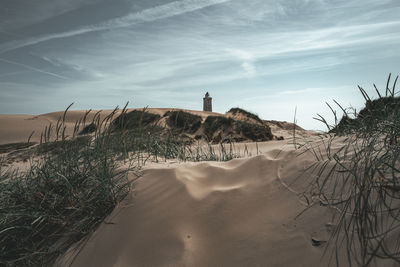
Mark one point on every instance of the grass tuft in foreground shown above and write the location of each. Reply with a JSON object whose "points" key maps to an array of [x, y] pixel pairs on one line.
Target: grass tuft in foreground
{"points": [[361, 181], [59, 201]]}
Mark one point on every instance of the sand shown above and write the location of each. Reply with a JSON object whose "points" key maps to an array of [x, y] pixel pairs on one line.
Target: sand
{"points": [[236, 213], [245, 212]]}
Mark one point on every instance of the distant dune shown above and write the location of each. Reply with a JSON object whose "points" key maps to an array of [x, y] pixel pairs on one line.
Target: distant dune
{"points": [[18, 128]]}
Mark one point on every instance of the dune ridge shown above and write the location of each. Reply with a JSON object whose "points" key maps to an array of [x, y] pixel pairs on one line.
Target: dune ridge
{"points": [[236, 213]]}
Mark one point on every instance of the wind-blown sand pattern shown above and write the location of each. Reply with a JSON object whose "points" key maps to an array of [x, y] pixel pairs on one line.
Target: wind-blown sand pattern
{"points": [[237, 213]]}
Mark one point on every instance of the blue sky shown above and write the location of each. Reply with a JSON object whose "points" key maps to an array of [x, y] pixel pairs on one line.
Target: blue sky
{"points": [[268, 57]]}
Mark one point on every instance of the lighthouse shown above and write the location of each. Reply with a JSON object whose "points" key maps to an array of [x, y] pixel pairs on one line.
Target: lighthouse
{"points": [[207, 102]]}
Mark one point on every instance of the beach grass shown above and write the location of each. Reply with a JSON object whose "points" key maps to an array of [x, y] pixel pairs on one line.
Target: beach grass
{"points": [[361, 179]]}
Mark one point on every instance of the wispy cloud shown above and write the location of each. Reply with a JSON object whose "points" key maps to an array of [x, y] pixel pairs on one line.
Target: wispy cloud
{"points": [[34, 69], [151, 14], [14, 73]]}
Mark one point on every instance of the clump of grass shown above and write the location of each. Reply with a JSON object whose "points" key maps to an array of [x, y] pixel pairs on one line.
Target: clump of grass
{"points": [[135, 119], [88, 129], [361, 180], [183, 121], [57, 147], [246, 113], [218, 128], [57, 202], [254, 132], [214, 123]]}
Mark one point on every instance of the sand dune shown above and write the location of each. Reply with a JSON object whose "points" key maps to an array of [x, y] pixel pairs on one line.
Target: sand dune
{"points": [[237, 213], [245, 212]]}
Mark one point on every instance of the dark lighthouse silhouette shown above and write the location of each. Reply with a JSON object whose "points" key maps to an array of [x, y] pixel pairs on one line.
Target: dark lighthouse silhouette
{"points": [[207, 102]]}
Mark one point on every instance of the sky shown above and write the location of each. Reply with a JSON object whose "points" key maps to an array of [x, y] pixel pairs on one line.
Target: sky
{"points": [[268, 57]]}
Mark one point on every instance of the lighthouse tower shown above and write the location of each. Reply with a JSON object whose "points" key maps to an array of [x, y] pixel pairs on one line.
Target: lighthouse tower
{"points": [[207, 102]]}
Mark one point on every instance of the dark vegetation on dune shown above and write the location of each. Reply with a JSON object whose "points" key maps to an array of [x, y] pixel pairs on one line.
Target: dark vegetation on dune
{"points": [[214, 129], [222, 129], [214, 123], [254, 132], [135, 119], [284, 125], [361, 180], [246, 113], [372, 115], [89, 129], [183, 121]]}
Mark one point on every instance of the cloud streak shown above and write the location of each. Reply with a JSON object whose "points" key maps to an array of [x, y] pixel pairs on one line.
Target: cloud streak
{"points": [[156, 13], [34, 69]]}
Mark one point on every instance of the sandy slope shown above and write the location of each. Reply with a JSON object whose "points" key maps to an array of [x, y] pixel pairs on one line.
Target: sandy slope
{"points": [[237, 213]]}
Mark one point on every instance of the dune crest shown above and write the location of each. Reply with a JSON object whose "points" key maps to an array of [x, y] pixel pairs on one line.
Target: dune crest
{"points": [[206, 178], [236, 213]]}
